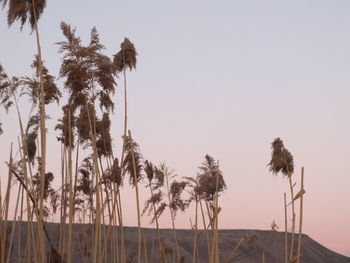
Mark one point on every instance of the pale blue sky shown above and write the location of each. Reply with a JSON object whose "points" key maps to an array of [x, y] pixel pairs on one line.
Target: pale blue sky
{"points": [[224, 78]]}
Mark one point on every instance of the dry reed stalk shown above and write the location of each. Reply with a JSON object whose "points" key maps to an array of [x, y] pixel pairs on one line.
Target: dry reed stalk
{"points": [[112, 224], [65, 200], [30, 235], [13, 225], [157, 223], [6, 210], [103, 255], [172, 221], [137, 201], [282, 161], [35, 209], [111, 218], [215, 243], [115, 217], [263, 257], [39, 253], [42, 136], [102, 224], [121, 227], [29, 211], [293, 216], [20, 225], [97, 246], [217, 211], [64, 203], [104, 234], [301, 214], [205, 229], [76, 173], [149, 169], [210, 225], [231, 256], [123, 255], [217, 251], [105, 229], [34, 25], [105, 189], [195, 231], [28, 183], [285, 230], [128, 60], [70, 189], [61, 232], [157, 226]]}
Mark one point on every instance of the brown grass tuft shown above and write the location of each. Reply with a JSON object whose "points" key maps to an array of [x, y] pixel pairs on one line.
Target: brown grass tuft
{"points": [[281, 159], [126, 57], [24, 10]]}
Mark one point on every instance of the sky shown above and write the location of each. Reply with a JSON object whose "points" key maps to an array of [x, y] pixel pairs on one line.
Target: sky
{"points": [[222, 78]]}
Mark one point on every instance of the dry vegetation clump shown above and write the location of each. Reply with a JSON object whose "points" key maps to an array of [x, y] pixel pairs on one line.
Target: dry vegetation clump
{"points": [[282, 162], [23, 11], [132, 163], [8, 87], [209, 173], [126, 57], [92, 174], [31, 85], [281, 159]]}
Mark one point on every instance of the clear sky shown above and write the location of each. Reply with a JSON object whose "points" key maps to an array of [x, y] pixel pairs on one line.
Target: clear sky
{"points": [[223, 78]]}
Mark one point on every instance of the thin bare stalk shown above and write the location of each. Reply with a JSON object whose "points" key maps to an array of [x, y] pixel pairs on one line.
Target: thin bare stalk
{"points": [[195, 231], [139, 244], [71, 201], [62, 207], [7, 202], [232, 254], [173, 220], [293, 217], [76, 173], [19, 237], [215, 245], [285, 230], [42, 136], [123, 256], [157, 223], [29, 210], [121, 227], [205, 229], [301, 215], [97, 245], [28, 183], [13, 225]]}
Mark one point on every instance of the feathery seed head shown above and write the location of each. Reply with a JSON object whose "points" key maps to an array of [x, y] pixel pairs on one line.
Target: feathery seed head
{"points": [[281, 159]]}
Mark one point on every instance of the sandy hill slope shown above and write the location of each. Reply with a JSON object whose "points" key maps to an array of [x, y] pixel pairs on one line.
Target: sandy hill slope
{"points": [[253, 244]]}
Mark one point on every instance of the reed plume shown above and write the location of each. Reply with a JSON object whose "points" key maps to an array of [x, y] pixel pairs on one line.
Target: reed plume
{"points": [[208, 173], [8, 87], [24, 10], [126, 57], [282, 161]]}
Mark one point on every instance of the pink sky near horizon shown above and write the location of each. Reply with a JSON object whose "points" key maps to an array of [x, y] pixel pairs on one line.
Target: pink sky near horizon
{"points": [[224, 79]]}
